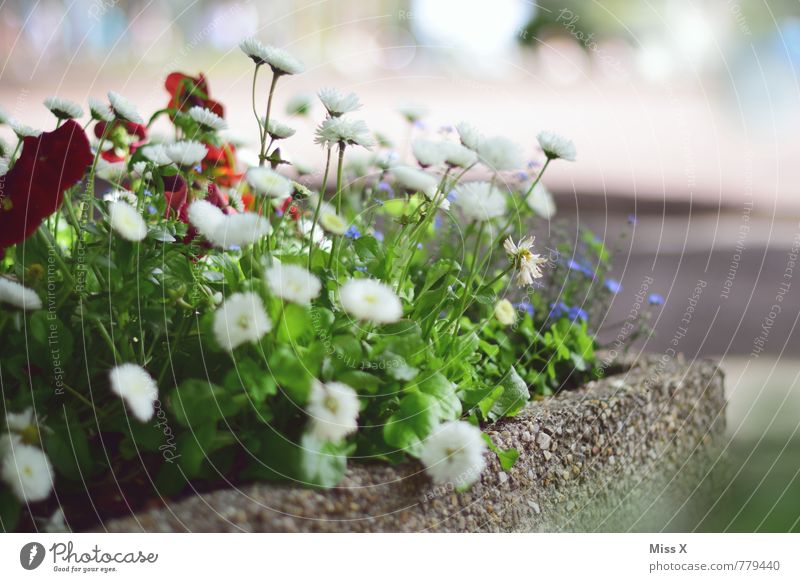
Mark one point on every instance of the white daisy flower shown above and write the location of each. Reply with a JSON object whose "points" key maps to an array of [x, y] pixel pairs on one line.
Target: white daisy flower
{"points": [[19, 296], [205, 217], [239, 230], [333, 410], [293, 283], [241, 319], [415, 180], [63, 108], [458, 155], [137, 388], [412, 113], [480, 201], [428, 152], [140, 169], [111, 171], [123, 108], [504, 312], [556, 147], [281, 62], [20, 421], [332, 222], [370, 300], [526, 262], [126, 221], [299, 104], [500, 153], [157, 154], [470, 137], [207, 119], [541, 202], [337, 103], [304, 228], [23, 130], [121, 195], [338, 130], [3, 166], [99, 110], [28, 472], [278, 130], [186, 153], [454, 454], [269, 183]]}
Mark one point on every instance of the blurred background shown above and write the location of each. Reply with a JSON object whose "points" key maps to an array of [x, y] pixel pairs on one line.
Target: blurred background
{"points": [[685, 114]]}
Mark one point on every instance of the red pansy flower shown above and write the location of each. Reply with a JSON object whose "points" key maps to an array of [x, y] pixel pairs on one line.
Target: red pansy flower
{"points": [[186, 92], [34, 188], [220, 162], [175, 191]]}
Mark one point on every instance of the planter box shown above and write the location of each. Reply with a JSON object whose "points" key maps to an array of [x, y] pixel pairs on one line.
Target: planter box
{"points": [[600, 457]]}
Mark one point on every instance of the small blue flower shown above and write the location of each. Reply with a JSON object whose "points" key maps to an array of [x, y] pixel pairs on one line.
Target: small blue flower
{"points": [[361, 269], [451, 196], [560, 309], [522, 176], [532, 164], [352, 233], [525, 306], [576, 313], [576, 266], [378, 235], [655, 299], [234, 248], [632, 219], [198, 168], [148, 193], [437, 222], [419, 124], [378, 201], [613, 285], [384, 186], [419, 246]]}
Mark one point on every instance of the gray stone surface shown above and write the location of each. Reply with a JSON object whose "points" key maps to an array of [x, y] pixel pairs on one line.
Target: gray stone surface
{"points": [[609, 456]]}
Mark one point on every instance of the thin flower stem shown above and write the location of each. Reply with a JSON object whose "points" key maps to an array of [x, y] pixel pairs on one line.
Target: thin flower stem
{"points": [[502, 274], [53, 245], [255, 110], [536, 181], [263, 156], [339, 168], [317, 209], [109, 342], [464, 304]]}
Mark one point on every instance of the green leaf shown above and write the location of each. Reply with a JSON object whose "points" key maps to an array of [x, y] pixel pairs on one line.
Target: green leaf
{"points": [[507, 457], [9, 510], [295, 324], [513, 398], [194, 447], [291, 373], [444, 392], [68, 449], [362, 382], [197, 403], [415, 418], [256, 381]]}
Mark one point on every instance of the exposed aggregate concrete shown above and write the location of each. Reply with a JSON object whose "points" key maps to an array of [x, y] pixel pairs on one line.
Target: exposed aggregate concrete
{"points": [[600, 457]]}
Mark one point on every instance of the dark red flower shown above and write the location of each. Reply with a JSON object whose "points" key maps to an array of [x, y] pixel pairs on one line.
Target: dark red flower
{"points": [[175, 191], [218, 199], [34, 188], [290, 207], [186, 92]]}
